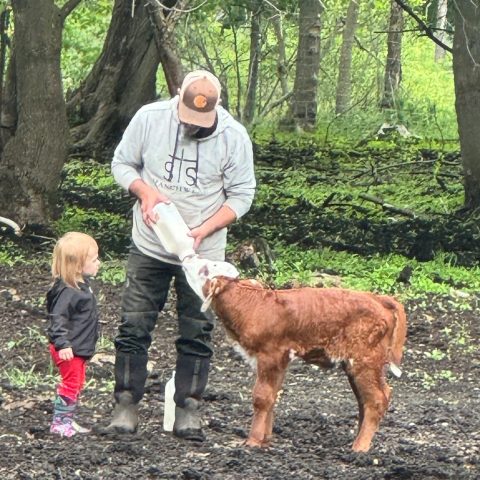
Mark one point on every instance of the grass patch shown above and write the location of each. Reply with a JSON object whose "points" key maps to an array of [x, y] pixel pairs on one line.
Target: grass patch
{"points": [[377, 273]]}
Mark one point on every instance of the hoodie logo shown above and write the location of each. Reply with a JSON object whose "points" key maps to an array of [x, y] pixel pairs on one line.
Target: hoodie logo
{"points": [[182, 170]]}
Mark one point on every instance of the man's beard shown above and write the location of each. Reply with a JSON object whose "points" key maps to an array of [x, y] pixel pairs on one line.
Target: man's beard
{"points": [[190, 130]]}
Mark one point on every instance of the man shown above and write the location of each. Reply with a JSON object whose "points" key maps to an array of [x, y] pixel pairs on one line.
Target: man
{"points": [[192, 152]]}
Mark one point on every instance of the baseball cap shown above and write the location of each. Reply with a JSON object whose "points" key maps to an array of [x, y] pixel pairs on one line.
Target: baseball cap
{"points": [[199, 95]]}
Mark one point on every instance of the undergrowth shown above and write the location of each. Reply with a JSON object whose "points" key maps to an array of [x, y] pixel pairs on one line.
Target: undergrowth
{"points": [[314, 208]]}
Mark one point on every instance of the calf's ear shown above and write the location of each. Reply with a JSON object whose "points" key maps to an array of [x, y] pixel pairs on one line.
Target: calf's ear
{"points": [[210, 289]]}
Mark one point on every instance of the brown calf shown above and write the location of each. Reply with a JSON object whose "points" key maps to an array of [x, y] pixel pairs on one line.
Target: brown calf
{"points": [[363, 331]]}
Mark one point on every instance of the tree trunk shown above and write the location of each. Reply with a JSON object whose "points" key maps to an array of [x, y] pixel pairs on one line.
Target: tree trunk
{"points": [[163, 22], [442, 9], [282, 70], [393, 67], [255, 52], [9, 113], [304, 102], [466, 72], [120, 82], [33, 157], [344, 83]]}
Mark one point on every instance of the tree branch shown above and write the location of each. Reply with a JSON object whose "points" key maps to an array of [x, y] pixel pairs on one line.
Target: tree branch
{"points": [[423, 26], [387, 206], [68, 8], [13, 225]]}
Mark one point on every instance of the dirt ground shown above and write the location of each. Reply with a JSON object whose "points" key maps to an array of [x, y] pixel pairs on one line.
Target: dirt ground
{"points": [[431, 431]]}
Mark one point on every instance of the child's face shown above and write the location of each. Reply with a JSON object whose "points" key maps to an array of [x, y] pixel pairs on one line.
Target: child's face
{"points": [[92, 263]]}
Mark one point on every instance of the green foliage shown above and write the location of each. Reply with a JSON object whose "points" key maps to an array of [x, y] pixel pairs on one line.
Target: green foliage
{"points": [[93, 199], [86, 183], [431, 380], [33, 336], [10, 254], [459, 335], [435, 354], [90, 175], [83, 36], [377, 273], [217, 36], [105, 344], [25, 379], [110, 230], [112, 271]]}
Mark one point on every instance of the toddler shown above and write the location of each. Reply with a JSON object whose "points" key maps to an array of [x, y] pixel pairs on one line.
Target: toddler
{"points": [[73, 328]]}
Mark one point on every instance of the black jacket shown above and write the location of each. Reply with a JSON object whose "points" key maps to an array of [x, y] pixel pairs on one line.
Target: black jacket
{"points": [[73, 317]]}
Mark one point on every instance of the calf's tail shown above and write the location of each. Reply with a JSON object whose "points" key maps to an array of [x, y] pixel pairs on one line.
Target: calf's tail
{"points": [[398, 333]]}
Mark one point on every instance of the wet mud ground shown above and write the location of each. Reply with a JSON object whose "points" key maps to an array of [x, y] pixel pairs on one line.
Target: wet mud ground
{"points": [[431, 431]]}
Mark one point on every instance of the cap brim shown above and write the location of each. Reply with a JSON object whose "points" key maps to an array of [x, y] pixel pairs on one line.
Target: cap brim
{"points": [[192, 117]]}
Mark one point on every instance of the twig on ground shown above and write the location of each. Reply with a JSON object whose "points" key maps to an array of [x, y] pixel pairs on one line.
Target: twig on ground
{"points": [[388, 206]]}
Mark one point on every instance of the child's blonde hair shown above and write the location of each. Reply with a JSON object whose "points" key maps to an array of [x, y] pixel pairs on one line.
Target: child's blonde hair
{"points": [[69, 257]]}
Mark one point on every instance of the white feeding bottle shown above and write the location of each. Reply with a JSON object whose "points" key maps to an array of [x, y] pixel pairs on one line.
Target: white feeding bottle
{"points": [[172, 231], [169, 405]]}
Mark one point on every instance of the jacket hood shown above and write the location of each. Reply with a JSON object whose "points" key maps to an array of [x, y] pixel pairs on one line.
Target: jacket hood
{"points": [[55, 290]]}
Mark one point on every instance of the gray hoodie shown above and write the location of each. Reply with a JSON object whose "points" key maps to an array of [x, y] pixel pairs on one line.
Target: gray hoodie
{"points": [[198, 175]]}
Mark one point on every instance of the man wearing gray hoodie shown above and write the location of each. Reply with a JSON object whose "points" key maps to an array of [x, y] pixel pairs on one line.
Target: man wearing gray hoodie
{"points": [[192, 152]]}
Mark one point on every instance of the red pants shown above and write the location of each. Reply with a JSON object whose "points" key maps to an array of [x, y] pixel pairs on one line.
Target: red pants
{"points": [[72, 373]]}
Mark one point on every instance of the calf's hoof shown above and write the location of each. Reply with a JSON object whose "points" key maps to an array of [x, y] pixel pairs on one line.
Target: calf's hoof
{"points": [[252, 442], [361, 446]]}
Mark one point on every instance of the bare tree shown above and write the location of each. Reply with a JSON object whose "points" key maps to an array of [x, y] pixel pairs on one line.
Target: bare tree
{"points": [[442, 9], [304, 99], [393, 66], [35, 147], [282, 70], [164, 21], [344, 83], [255, 52]]}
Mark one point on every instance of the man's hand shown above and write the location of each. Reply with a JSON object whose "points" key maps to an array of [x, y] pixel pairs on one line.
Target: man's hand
{"points": [[198, 234], [65, 353], [224, 217], [149, 197]]}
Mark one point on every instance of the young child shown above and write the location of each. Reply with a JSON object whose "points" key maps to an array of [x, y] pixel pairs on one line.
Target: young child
{"points": [[73, 329]]}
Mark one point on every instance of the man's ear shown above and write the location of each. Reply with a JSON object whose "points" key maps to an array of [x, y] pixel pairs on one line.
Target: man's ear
{"points": [[210, 289]]}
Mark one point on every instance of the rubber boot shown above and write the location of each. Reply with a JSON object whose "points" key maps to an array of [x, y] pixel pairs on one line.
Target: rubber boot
{"points": [[188, 423], [125, 415], [130, 377], [63, 423], [190, 381]]}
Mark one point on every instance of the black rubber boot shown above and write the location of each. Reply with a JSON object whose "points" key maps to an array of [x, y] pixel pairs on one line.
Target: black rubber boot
{"points": [[130, 376], [188, 423], [125, 415], [191, 378]]}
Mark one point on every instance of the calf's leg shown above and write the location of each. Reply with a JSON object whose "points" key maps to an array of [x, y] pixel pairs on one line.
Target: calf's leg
{"points": [[269, 378], [369, 383], [351, 381], [270, 417]]}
